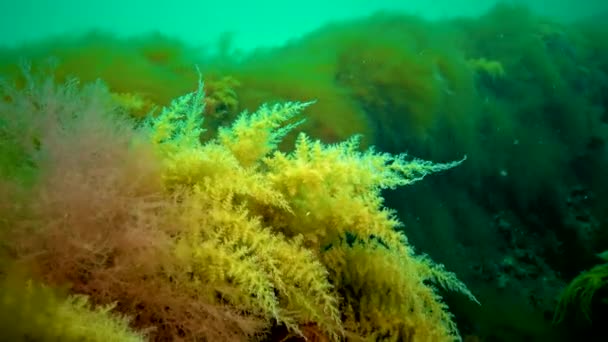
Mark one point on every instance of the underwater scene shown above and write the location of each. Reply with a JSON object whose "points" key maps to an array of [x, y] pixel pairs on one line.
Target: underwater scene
{"points": [[382, 176]]}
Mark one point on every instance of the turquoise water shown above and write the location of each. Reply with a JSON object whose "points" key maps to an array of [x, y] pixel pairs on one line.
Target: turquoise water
{"points": [[255, 23]]}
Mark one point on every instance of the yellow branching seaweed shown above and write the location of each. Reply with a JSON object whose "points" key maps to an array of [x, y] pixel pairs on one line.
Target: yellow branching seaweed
{"points": [[301, 237], [32, 312], [180, 123], [384, 294], [252, 136], [224, 245], [275, 277], [336, 189]]}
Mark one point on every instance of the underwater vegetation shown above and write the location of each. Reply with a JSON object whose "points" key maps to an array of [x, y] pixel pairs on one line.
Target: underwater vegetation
{"points": [[160, 208], [581, 291], [214, 240]]}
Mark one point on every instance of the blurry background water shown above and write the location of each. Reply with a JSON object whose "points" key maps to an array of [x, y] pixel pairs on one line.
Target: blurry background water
{"points": [[255, 23]]}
